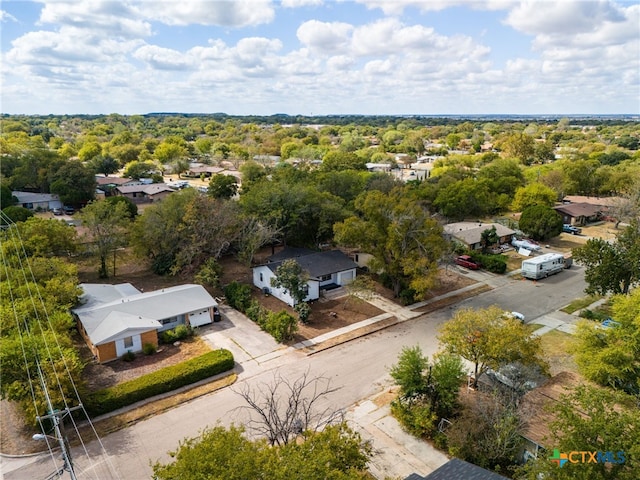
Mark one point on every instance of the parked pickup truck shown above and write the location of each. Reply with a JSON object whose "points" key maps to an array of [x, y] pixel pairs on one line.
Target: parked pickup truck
{"points": [[566, 228], [467, 262]]}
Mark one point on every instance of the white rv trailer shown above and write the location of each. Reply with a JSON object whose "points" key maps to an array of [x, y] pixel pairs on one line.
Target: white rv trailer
{"points": [[542, 266]]}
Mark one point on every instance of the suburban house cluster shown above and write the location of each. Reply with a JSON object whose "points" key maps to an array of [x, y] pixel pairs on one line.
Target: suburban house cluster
{"points": [[326, 270], [116, 319]]}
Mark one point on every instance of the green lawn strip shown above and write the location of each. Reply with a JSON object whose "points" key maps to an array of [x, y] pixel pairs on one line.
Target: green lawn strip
{"points": [[580, 303]]}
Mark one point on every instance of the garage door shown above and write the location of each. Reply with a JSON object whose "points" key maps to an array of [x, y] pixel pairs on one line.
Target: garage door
{"points": [[346, 277], [199, 318]]}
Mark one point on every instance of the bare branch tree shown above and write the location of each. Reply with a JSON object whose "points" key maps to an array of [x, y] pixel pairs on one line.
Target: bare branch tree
{"points": [[284, 409], [254, 234]]}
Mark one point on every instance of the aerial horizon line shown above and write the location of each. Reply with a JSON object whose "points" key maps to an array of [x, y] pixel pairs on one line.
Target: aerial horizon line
{"points": [[330, 115]]}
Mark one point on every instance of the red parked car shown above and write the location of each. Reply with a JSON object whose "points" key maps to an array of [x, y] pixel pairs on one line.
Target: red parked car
{"points": [[467, 262]]}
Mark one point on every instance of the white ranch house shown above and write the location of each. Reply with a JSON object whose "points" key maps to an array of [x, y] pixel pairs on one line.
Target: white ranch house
{"points": [[327, 270], [115, 319]]}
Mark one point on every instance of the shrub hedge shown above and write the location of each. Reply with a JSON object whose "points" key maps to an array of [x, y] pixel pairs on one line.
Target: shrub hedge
{"points": [[161, 381], [492, 263]]}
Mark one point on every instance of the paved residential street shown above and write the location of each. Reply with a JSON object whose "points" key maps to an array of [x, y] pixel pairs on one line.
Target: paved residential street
{"points": [[359, 368]]}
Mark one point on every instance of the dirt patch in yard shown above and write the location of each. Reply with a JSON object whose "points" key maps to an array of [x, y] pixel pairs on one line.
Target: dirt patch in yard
{"points": [[99, 376]]}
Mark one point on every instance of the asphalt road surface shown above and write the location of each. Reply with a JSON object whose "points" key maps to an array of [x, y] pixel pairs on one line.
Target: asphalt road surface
{"points": [[359, 368]]}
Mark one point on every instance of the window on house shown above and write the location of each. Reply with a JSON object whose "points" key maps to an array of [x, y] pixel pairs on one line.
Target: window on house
{"points": [[324, 278], [261, 277], [305, 289], [128, 342]]}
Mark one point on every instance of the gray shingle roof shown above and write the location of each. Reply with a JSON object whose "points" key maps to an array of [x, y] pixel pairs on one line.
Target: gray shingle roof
{"points": [[110, 312], [456, 469], [317, 264], [471, 232]]}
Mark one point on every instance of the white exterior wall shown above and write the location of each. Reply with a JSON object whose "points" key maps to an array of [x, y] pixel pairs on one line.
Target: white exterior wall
{"points": [[121, 350], [265, 282]]}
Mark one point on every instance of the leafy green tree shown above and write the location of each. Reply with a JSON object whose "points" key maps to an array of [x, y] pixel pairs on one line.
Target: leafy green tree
{"points": [[608, 356], [107, 225], [252, 172], [131, 208], [15, 214], [534, 194], [428, 392], [89, 151], [403, 239], [209, 273], [168, 152], [540, 222], [544, 152], [520, 146], [488, 238], [33, 170], [104, 164], [581, 176], [489, 339], [594, 420], [611, 267], [6, 197], [409, 372], [42, 237], [336, 160], [138, 170], [465, 198], [222, 186], [74, 183], [292, 279], [218, 453], [305, 215]]}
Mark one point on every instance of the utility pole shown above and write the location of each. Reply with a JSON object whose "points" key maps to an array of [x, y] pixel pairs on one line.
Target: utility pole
{"points": [[57, 417]]}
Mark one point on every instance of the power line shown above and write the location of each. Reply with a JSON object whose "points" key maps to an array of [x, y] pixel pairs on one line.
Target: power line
{"points": [[34, 326]]}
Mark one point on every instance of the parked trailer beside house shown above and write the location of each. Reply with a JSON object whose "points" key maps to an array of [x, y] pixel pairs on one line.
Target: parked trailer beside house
{"points": [[543, 266]]}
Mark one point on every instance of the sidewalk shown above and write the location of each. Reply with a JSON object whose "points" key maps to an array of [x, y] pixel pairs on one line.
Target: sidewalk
{"points": [[397, 454]]}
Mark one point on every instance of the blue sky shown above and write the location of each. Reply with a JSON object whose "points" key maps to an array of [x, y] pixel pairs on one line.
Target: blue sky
{"points": [[321, 57]]}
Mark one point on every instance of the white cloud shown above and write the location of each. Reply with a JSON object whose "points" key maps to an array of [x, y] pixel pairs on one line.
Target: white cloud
{"points": [[6, 16], [324, 36], [227, 13], [564, 18], [162, 58], [103, 56], [115, 18], [300, 3], [397, 7]]}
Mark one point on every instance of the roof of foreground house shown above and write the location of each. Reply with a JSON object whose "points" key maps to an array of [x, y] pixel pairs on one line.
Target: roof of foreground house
{"points": [[317, 264], [456, 469], [110, 310]]}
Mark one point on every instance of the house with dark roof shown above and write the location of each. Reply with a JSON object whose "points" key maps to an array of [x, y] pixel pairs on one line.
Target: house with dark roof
{"points": [[579, 213], [326, 270], [456, 469], [116, 319]]}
